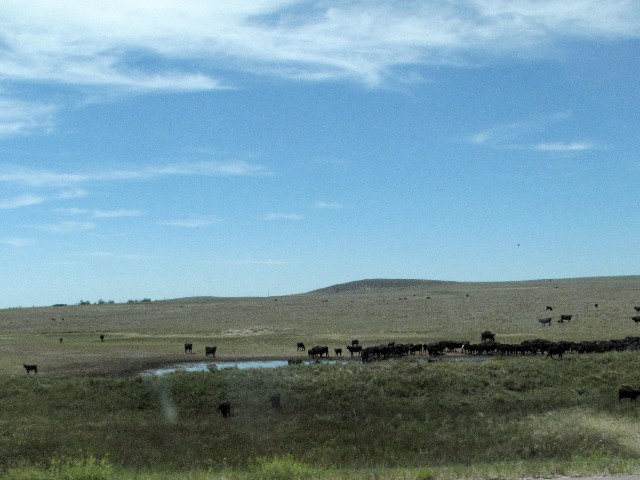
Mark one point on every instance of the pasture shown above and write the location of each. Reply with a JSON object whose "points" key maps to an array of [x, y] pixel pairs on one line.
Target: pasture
{"points": [[407, 418]]}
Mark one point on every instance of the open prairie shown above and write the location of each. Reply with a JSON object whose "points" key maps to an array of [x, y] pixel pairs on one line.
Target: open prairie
{"points": [[143, 334], [86, 415]]}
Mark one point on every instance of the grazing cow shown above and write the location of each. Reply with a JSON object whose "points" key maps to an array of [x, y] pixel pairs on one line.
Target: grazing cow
{"points": [[188, 348], [545, 321], [300, 347], [210, 351], [275, 401], [565, 317], [487, 336], [338, 352], [636, 319], [225, 409], [596, 305], [60, 339], [637, 309], [549, 308], [355, 343], [31, 368], [102, 338], [558, 350], [354, 349], [628, 392], [317, 350]]}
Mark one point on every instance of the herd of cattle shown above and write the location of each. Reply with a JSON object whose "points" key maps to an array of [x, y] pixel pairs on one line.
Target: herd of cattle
{"points": [[486, 346]]}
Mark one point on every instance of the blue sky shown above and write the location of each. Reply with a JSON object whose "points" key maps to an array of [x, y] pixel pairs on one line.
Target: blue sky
{"points": [[160, 149]]}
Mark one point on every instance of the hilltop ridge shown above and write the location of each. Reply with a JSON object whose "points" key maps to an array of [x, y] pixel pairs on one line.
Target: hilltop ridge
{"points": [[377, 284]]}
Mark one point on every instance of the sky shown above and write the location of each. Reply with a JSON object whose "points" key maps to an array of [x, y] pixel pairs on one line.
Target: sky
{"points": [[163, 149]]}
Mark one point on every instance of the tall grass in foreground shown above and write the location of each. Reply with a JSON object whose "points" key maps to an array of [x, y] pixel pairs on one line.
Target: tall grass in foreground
{"points": [[502, 417]]}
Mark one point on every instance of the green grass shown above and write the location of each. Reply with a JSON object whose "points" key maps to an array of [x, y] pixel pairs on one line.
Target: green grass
{"points": [[85, 415], [388, 416]]}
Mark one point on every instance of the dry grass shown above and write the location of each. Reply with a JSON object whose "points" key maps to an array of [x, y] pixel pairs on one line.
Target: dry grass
{"points": [[149, 333]]}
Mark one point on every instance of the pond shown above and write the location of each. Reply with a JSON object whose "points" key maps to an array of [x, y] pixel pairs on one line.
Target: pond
{"points": [[212, 366]]}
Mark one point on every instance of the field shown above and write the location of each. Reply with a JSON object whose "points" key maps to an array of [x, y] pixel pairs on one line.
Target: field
{"points": [[88, 414]]}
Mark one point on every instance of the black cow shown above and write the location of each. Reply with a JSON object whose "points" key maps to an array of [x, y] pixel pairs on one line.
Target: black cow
{"points": [[102, 338], [300, 347], [549, 308], [188, 348], [225, 409], [558, 350], [565, 317], [355, 343], [354, 349], [628, 392], [545, 321], [338, 352], [637, 309], [636, 319], [487, 336], [31, 368], [318, 350], [210, 351], [294, 361], [275, 401]]}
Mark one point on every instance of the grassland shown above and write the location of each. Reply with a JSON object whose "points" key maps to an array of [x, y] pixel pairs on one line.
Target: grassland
{"points": [[87, 415]]}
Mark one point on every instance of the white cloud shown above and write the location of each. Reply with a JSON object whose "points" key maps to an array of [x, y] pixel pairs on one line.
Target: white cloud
{"points": [[101, 213], [566, 147], [21, 201], [282, 216], [18, 117], [515, 136], [329, 205], [28, 199], [47, 178], [191, 222], [255, 262], [18, 242], [66, 227], [170, 45]]}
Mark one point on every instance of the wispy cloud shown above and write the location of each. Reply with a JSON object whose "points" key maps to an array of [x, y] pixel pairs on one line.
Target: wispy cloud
{"points": [[109, 255], [21, 201], [29, 199], [66, 227], [100, 213], [195, 222], [282, 216], [48, 178], [149, 45], [516, 135], [254, 262], [18, 242], [564, 147], [329, 205], [21, 117]]}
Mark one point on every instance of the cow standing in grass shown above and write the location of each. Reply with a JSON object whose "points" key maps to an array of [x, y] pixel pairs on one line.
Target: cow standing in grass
{"points": [[31, 368], [487, 336], [628, 392], [354, 349], [188, 348], [225, 409], [210, 351]]}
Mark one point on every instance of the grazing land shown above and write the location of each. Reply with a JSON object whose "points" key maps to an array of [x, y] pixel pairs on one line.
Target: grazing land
{"points": [[88, 414]]}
